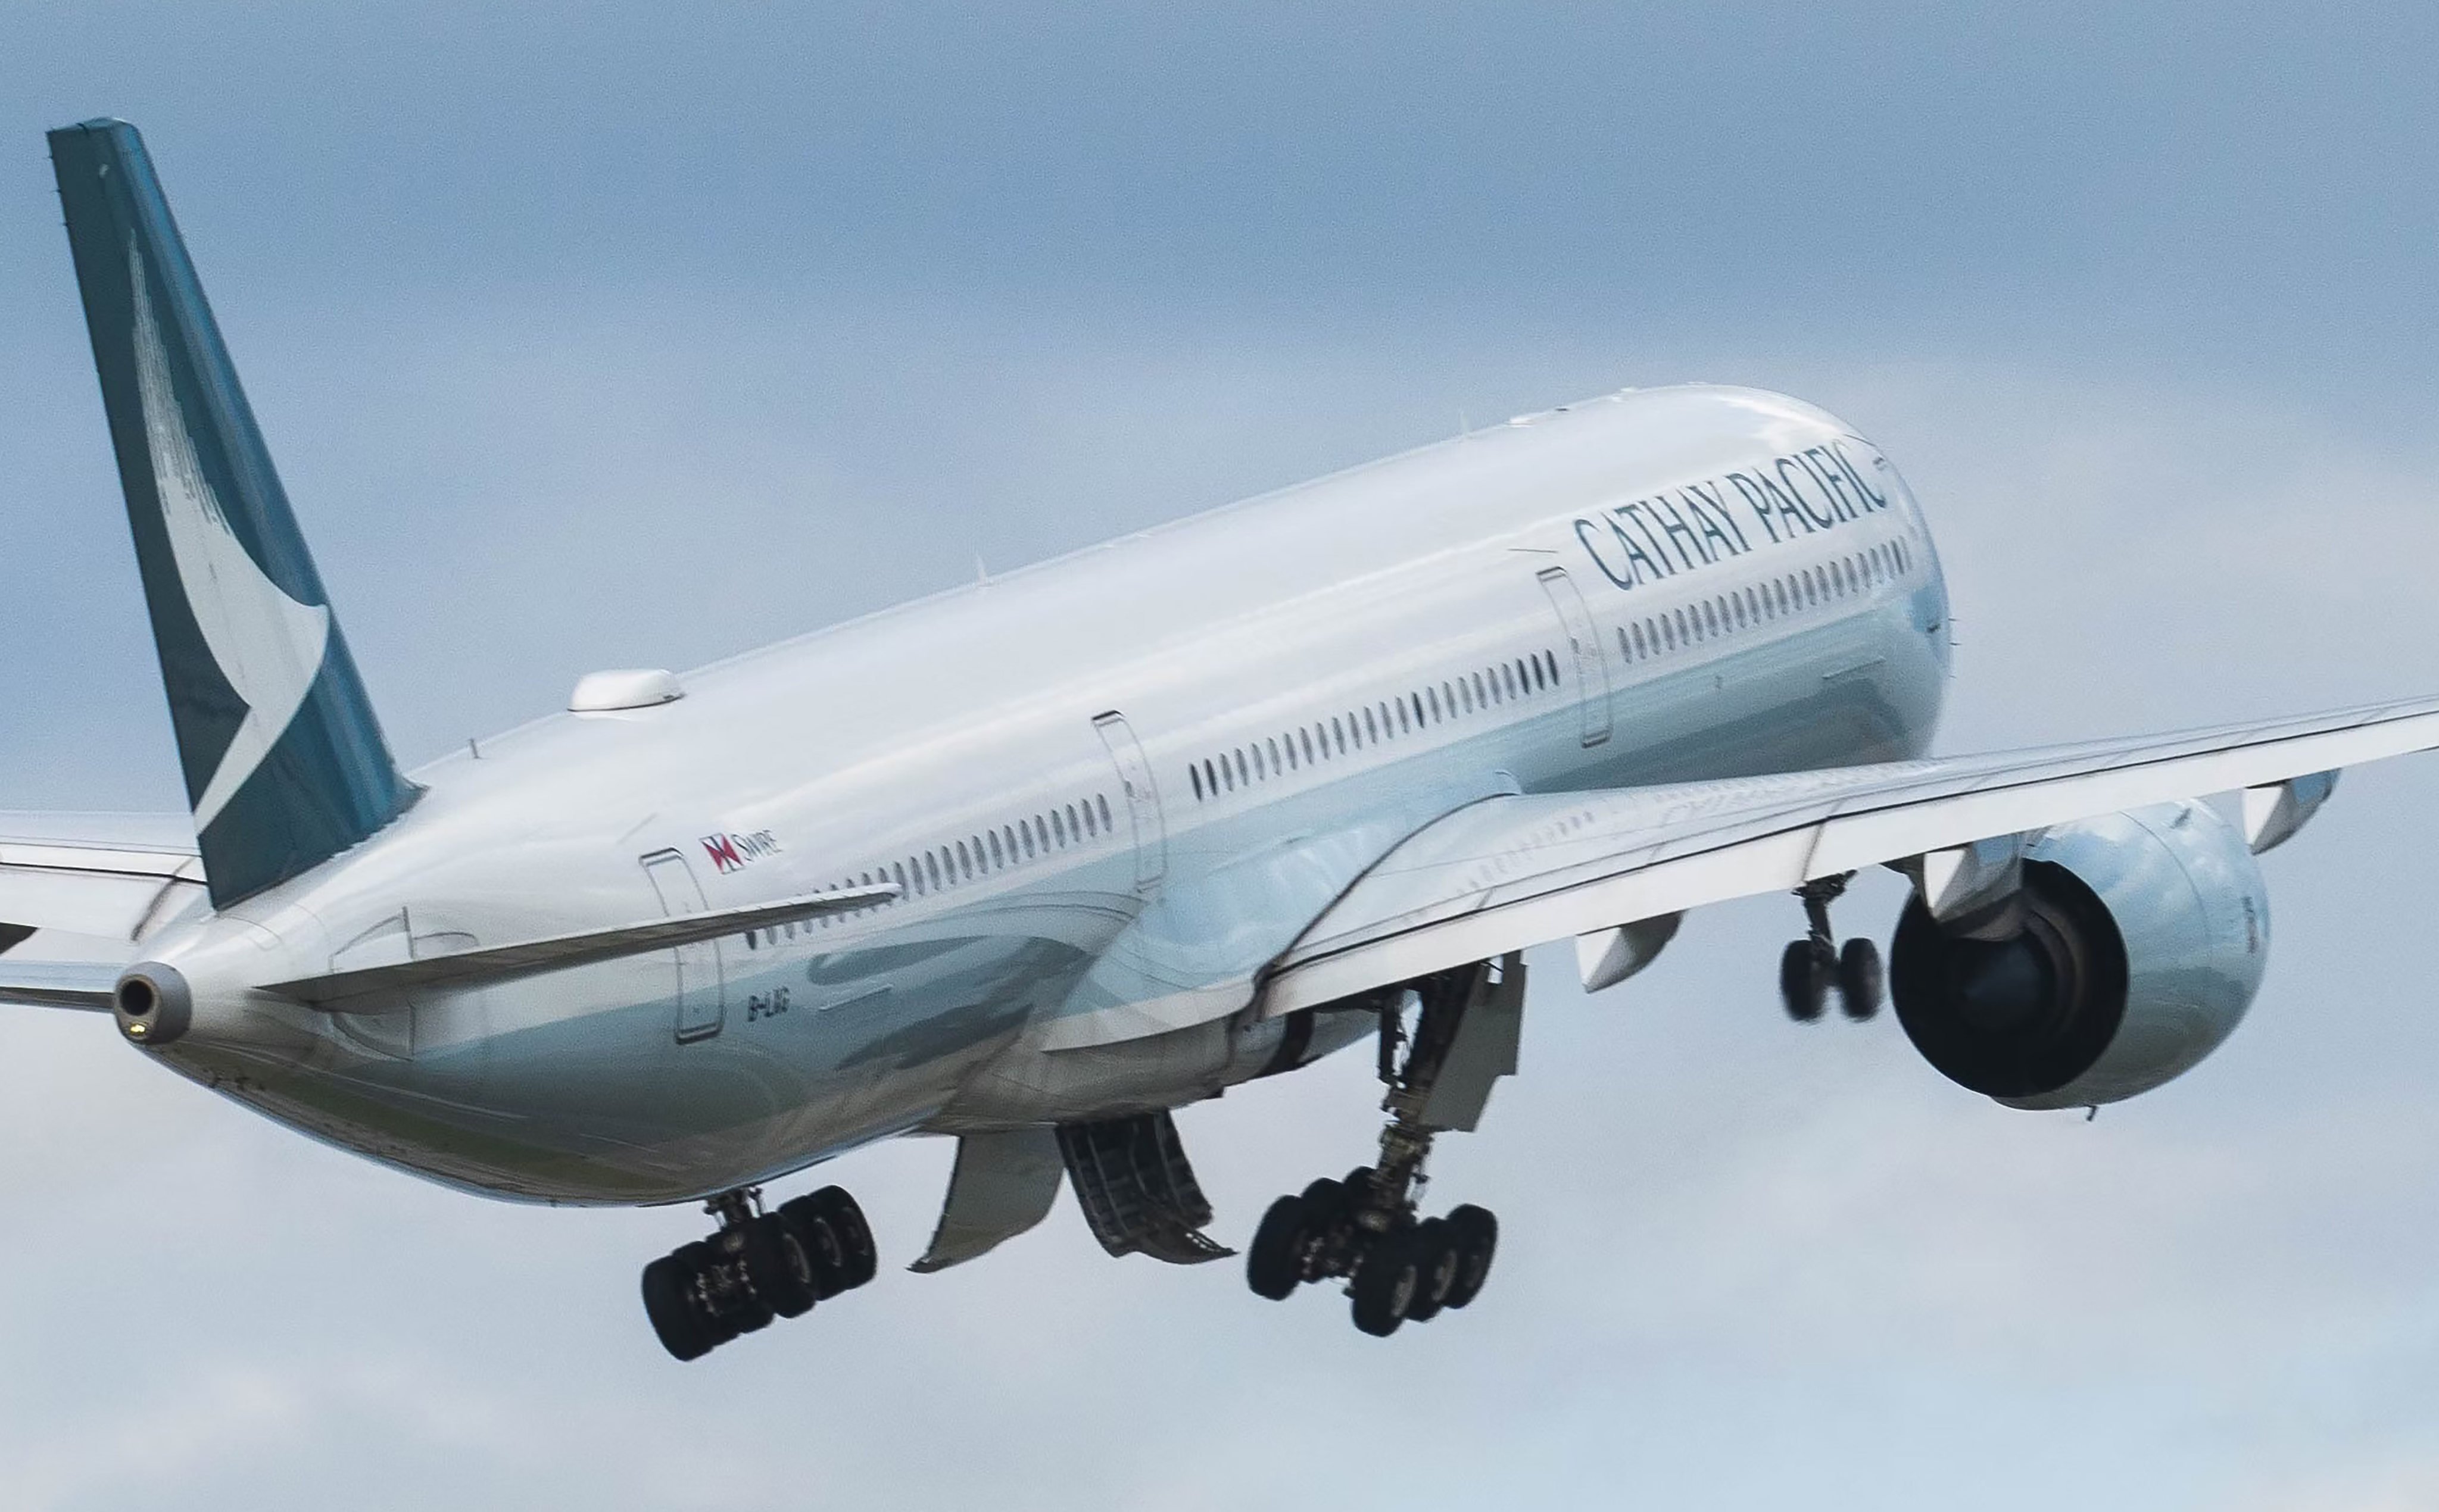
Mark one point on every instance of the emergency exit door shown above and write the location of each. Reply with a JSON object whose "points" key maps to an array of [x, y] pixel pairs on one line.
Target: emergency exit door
{"points": [[702, 991], [1584, 649], [1143, 799]]}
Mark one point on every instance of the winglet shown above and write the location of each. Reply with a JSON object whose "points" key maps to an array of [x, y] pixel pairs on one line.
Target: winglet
{"points": [[285, 764]]}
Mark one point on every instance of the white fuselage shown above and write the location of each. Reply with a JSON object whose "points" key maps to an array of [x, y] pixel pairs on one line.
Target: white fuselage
{"points": [[1583, 598]]}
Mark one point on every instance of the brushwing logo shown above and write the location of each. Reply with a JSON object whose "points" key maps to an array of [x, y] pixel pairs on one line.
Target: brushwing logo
{"points": [[269, 647], [734, 852]]}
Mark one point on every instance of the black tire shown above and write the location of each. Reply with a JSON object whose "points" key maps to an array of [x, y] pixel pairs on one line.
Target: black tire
{"points": [[668, 1302], [1476, 1234], [1324, 1198], [822, 1247], [777, 1266], [719, 1327], [854, 1234], [1385, 1284], [1803, 982], [1435, 1251], [1861, 980], [1274, 1261]]}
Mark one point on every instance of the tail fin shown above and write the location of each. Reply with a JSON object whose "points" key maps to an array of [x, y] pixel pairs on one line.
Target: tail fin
{"points": [[285, 764]]}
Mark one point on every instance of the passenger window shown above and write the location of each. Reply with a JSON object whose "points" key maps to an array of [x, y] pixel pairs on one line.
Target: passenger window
{"points": [[1090, 828], [1404, 727], [1244, 773], [1258, 772], [1194, 776], [1338, 731], [1305, 737], [1102, 802], [1275, 753]]}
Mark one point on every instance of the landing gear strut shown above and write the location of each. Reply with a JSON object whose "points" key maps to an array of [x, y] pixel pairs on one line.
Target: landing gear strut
{"points": [[759, 1266], [1811, 966], [1400, 1267]]}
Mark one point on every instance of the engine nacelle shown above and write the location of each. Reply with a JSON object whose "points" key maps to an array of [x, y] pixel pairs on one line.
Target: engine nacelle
{"points": [[2144, 937]]}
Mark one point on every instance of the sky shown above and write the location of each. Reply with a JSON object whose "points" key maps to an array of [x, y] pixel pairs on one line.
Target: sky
{"points": [[596, 336]]}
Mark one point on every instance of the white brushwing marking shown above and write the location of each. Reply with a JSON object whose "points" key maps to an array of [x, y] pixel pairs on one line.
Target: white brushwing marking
{"points": [[268, 646]]}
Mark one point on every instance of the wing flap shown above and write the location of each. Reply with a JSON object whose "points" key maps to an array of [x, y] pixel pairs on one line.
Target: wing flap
{"points": [[1511, 872]]}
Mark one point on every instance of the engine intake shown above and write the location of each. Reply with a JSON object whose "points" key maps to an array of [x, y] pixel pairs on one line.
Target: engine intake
{"points": [[2144, 940]]}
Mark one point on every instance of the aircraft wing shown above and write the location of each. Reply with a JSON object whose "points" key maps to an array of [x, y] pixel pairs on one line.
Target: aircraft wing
{"points": [[109, 876], [1510, 872]]}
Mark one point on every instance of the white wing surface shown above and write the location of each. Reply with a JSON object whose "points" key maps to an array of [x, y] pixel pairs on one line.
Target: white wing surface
{"points": [[1511, 872], [113, 877]]}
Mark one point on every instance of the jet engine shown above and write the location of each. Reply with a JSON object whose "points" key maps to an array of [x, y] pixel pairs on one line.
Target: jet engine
{"points": [[2143, 942]]}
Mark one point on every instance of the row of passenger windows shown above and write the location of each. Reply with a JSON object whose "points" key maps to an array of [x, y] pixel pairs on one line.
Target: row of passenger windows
{"points": [[944, 866], [1726, 614], [1342, 734]]}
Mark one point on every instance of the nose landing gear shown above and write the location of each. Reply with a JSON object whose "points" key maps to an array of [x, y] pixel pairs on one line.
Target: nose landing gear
{"points": [[1811, 966], [1399, 1266], [759, 1266]]}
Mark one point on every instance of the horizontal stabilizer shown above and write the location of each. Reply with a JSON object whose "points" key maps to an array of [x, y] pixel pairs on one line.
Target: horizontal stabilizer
{"points": [[107, 876], [502, 963], [86, 985]]}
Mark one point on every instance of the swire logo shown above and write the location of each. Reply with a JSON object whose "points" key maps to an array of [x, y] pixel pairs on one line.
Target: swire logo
{"points": [[734, 852]]}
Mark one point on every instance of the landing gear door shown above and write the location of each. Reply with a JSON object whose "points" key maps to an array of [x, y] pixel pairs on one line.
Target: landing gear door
{"points": [[1143, 799], [1584, 644], [701, 997]]}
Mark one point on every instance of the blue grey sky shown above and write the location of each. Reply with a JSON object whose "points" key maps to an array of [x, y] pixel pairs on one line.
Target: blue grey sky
{"points": [[596, 336]]}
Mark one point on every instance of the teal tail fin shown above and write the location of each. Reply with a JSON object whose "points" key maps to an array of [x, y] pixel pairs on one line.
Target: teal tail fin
{"points": [[285, 763]]}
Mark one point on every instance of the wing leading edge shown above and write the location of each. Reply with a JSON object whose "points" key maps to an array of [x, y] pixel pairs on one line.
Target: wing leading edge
{"points": [[1511, 872]]}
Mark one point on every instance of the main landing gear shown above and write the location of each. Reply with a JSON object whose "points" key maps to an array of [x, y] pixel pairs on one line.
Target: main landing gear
{"points": [[757, 1267], [1398, 1266], [1813, 965]]}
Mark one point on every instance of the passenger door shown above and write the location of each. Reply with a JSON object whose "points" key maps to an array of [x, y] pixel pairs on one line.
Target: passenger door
{"points": [[1584, 645], [1143, 799], [702, 991]]}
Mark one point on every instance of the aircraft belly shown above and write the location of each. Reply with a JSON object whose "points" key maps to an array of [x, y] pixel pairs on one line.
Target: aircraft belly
{"points": [[607, 1106]]}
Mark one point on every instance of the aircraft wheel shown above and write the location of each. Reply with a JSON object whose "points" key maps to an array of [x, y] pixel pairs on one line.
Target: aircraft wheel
{"points": [[823, 1248], [1803, 982], [720, 1326], [777, 1266], [670, 1303], [1861, 980], [1436, 1254], [1274, 1261], [855, 1234], [1385, 1283], [1476, 1233]]}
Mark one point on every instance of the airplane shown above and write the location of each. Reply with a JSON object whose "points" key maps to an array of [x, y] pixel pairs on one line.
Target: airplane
{"points": [[1034, 863]]}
